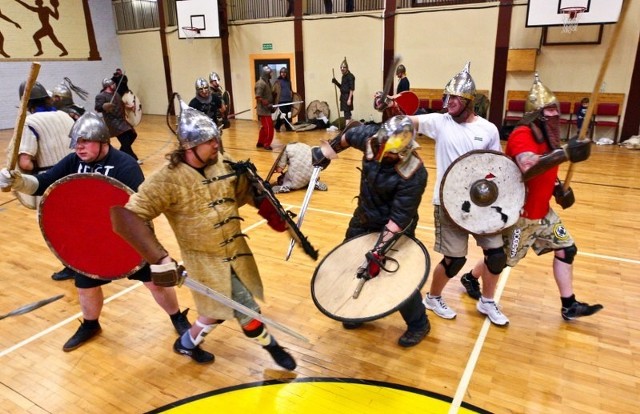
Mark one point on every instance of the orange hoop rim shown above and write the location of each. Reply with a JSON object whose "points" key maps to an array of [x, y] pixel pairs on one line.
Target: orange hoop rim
{"points": [[191, 29], [572, 11]]}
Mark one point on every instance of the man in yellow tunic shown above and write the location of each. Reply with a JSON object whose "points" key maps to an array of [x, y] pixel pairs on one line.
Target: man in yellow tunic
{"points": [[200, 193]]}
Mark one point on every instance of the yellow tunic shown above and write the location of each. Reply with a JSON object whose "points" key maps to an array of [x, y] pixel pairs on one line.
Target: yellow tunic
{"points": [[197, 212]]}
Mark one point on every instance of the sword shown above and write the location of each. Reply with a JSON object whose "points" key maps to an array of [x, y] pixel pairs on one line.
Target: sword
{"points": [[237, 113], [219, 297], [305, 205], [285, 104], [32, 306]]}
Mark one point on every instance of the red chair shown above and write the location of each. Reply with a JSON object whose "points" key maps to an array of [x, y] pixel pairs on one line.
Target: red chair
{"points": [[606, 115], [436, 105], [514, 111], [424, 104]]}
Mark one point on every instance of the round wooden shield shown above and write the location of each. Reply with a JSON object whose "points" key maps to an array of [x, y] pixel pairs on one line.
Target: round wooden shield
{"points": [[408, 102], [482, 192], [75, 221], [134, 115], [335, 279]]}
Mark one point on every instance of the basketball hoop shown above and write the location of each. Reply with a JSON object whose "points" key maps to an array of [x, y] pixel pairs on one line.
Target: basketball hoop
{"points": [[190, 32], [571, 18]]}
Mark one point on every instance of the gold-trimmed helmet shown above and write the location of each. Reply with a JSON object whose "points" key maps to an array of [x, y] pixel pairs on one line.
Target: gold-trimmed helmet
{"points": [[344, 64], [89, 126], [539, 96], [461, 85], [195, 128], [395, 136]]}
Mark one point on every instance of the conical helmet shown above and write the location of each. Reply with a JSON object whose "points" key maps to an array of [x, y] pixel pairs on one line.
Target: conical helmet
{"points": [[213, 76], [539, 96], [89, 126], [462, 84], [344, 64], [195, 128]]}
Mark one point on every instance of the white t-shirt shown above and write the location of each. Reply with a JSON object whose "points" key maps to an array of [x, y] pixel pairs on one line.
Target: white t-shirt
{"points": [[454, 140]]}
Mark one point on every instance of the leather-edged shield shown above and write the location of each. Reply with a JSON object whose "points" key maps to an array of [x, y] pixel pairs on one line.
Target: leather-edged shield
{"points": [[133, 114], [74, 218], [482, 192], [335, 279]]}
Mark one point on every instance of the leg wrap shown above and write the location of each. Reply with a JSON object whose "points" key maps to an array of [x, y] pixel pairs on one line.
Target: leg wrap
{"points": [[454, 266], [205, 330], [256, 330], [569, 254], [495, 259]]}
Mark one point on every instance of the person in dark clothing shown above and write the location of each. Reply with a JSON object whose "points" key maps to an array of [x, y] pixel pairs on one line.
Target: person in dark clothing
{"points": [[205, 101], [392, 183], [93, 154], [283, 94], [121, 81], [347, 87]]}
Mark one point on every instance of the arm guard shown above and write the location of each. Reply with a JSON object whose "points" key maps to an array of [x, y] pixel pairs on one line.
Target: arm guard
{"points": [[137, 233], [546, 162], [24, 183]]}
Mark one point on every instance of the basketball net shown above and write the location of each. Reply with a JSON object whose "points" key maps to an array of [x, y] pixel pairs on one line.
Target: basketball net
{"points": [[190, 33], [571, 18]]}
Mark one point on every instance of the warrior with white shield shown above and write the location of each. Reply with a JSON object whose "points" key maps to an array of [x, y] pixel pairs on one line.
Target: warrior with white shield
{"points": [[93, 154], [393, 179]]}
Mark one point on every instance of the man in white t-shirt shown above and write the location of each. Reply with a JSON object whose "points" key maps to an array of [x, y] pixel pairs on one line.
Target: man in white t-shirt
{"points": [[455, 133]]}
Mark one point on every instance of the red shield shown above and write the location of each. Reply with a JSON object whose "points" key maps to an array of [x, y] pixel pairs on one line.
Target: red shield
{"points": [[75, 222], [408, 102]]}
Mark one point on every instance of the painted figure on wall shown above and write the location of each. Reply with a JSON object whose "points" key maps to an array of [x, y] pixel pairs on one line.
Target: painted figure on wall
{"points": [[2, 16], [46, 30]]}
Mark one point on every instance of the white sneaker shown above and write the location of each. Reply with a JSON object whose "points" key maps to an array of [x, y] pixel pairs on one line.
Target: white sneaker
{"points": [[491, 309], [438, 306]]}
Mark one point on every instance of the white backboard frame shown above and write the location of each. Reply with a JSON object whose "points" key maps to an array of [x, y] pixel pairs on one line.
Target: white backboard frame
{"points": [[544, 13], [201, 14]]}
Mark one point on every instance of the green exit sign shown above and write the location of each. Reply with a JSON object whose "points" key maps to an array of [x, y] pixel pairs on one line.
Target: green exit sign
{"points": [[267, 46]]}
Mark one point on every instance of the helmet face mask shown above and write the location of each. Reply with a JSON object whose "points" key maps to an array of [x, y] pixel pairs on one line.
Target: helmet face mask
{"points": [[395, 137]]}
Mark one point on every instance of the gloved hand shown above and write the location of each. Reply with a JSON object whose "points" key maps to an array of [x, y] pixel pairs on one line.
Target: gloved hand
{"points": [[6, 179], [108, 107], [271, 108], [335, 82], [576, 150], [318, 158], [375, 261], [565, 199], [269, 212], [167, 274]]}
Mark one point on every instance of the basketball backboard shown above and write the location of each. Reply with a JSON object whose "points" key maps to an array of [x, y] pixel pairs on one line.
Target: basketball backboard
{"points": [[199, 14], [542, 13]]}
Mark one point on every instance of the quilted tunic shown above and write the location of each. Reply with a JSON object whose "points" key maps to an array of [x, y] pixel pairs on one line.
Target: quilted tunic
{"points": [[203, 213]]}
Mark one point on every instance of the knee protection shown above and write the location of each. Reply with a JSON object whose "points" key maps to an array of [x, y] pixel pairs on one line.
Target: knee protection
{"points": [[205, 330], [257, 331], [569, 254], [454, 266], [495, 259]]}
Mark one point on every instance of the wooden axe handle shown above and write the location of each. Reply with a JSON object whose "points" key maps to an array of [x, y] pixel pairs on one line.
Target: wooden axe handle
{"points": [[22, 114]]}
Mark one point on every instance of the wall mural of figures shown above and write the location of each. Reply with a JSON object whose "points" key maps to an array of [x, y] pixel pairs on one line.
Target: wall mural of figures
{"points": [[47, 29]]}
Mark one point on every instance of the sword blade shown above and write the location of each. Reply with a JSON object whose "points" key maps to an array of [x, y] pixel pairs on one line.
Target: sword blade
{"points": [[219, 297], [388, 83], [32, 306], [285, 104], [305, 205]]}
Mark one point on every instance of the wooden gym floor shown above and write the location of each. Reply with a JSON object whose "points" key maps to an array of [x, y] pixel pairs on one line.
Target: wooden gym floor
{"points": [[538, 364]]}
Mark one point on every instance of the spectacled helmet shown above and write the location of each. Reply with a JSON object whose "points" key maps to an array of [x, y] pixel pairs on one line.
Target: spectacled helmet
{"points": [[201, 83], [91, 127], [461, 85], [395, 136], [37, 91], [195, 128], [539, 96]]}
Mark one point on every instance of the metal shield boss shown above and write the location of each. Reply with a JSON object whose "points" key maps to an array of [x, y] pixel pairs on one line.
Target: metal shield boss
{"points": [[75, 222], [335, 279], [482, 192]]}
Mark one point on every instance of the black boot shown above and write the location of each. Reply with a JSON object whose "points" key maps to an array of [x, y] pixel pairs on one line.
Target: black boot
{"points": [[197, 354], [180, 321], [63, 274], [282, 357], [413, 338], [86, 331]]}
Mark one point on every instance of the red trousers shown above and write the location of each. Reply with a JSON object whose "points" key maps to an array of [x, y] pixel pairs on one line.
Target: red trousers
{"points": [[266, 131]]}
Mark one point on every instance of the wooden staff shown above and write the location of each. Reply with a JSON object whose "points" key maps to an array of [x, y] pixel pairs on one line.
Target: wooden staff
{"points": [[336, 91], [22, 115], [596, 89]]}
